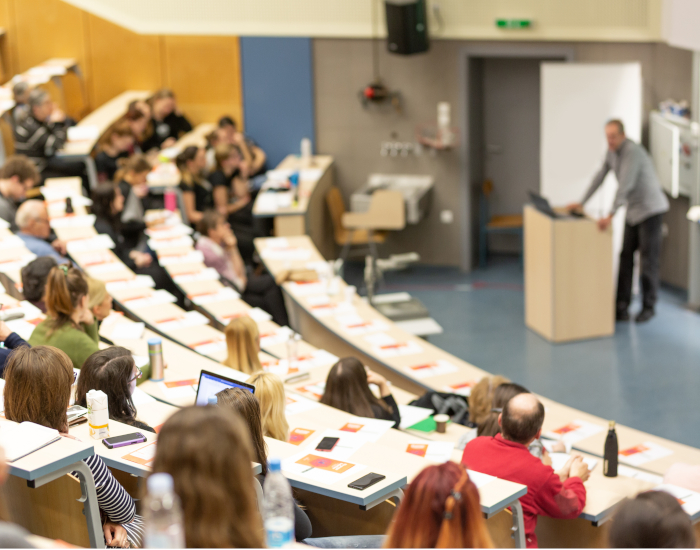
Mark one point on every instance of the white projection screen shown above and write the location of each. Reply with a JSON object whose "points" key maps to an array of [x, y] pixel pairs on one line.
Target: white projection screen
{"points": [[576, 101]]}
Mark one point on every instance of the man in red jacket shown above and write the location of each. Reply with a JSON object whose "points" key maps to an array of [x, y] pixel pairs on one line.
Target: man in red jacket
{"points": [[555, 494]]}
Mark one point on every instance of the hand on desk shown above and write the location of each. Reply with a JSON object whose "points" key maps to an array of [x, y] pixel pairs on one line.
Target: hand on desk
{"points": [[574, 207], [5, 331], [115, 535], [604, 223], [574, 467]]}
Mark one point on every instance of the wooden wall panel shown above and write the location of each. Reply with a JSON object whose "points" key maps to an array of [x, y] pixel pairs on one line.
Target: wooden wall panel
{"points": [[8, 43], [204, 72], [120, 60]]}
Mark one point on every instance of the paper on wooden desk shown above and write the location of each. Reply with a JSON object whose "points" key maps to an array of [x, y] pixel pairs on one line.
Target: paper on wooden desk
{"points": [[433, 368], [319, 468], [128, 331]]}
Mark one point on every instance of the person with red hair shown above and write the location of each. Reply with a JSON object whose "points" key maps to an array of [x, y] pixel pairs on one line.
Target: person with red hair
{"points": [[440, 510]]}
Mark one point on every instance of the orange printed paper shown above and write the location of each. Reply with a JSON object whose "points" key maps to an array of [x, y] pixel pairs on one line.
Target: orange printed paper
{"points": [[328, 464], [419, 449], [298, 435], [352, 427], [462, 385], [571, 427], [311, 390], [144, 456], [634, 450], [428, 366], [180, 383]]}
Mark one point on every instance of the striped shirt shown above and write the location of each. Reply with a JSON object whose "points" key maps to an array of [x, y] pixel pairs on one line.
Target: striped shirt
{"points": [[39, 140], [114, 501]]}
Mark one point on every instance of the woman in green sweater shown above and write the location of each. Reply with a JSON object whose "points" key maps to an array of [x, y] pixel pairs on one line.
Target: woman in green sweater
{"points": [[69, 324]]}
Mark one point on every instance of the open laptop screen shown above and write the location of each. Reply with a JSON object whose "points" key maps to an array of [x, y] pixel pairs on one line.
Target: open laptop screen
{"points": [[211, 384]]}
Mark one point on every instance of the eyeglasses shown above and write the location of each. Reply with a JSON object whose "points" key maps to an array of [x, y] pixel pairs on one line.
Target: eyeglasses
{"points": [[139, 374]]}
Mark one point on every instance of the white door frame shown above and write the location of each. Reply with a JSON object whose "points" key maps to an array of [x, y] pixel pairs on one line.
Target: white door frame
{"points": [[466, 54]]}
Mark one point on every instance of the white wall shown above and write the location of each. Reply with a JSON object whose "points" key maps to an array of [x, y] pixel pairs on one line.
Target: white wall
{"points": [[576, 101], [680, 23], [597, 20]]}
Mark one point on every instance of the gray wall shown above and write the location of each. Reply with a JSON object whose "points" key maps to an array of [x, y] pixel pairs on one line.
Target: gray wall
{"points": [[353, 135]]}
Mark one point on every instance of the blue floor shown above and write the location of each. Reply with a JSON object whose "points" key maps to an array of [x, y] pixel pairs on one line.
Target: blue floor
{"points": [[646, 376]]}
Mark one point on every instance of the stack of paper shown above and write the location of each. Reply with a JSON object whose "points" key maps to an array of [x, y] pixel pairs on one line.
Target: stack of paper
{"points": [[19, 440]]}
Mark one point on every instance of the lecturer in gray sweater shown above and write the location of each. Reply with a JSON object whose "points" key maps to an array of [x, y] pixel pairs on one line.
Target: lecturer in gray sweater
{"points": [[639, 189]]}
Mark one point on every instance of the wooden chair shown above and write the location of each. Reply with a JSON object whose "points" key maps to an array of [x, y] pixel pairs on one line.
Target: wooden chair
{"points": [[343, 236], [505, 224]]}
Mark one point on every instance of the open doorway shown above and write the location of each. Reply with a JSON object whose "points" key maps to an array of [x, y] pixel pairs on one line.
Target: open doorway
{"points": [[502, 133]]}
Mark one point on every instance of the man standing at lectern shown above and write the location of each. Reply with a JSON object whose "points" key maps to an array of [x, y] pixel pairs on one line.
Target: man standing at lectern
{"points": [[638, 188]]}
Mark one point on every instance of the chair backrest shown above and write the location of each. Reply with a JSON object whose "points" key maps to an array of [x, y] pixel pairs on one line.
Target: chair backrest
{"points": [[387, 212], [336, 206], [484, 216], [258, 494]]}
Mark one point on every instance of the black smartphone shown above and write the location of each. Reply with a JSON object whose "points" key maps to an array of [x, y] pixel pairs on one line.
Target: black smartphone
{"points": [[327, 443], [124, 440], [366, 481]]}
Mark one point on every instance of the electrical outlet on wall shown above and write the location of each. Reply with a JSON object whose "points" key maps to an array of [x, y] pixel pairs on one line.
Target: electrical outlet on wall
{"points": [[446, 216]]}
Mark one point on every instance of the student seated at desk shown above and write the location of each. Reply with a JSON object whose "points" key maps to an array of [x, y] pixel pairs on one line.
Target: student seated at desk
{"points": [[131, 180], [653, 519], [137, 116], [116, 144], [38, 384], [269, 390], [197, 191], [113, 371], [347, 389], [232, 197], [69, 325], [108, 205], [42, 133], [168, 123], [246, 405], [17, 176], [99, 301], [208, 453], [555, 494], [481, 398], [33, 227], [219, 246], [243, 345], [439, 510], [490, 426], [254, 156], [34, 277], [11, 341], [20, 93]]}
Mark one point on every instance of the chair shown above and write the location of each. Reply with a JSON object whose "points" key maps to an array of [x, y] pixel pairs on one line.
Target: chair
{"points": [[505, 224], [259, 495], [342, 236]]}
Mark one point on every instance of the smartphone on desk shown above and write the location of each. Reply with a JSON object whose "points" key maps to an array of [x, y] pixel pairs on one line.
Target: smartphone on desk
{"points": [[366, 481], [327, 444], [124, 440]]}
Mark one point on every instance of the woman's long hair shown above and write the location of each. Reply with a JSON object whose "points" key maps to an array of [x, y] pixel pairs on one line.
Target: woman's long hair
{"points": [[37, 386], [65, 288], [102, 200], [242, 343], [208, 453], [440, 510], [247, 406], [269, 391], [481, 397], [347, 389], [109, 370]]}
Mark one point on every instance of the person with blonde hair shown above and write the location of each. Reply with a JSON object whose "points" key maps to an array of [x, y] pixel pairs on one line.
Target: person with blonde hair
{"points": [[269, 390], [243, 343], [481, 397], [99, 301]]}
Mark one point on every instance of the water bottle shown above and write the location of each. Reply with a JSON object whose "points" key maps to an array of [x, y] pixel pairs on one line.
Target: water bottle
{"points": [[610, 454], [162, 514], [278, 508]]}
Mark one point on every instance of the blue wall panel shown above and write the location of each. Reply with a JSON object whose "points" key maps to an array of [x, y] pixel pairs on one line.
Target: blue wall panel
{"points": [[278, 94]]}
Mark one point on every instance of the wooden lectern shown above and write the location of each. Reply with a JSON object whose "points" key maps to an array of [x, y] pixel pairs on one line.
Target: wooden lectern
{"points": [[569, 292]]}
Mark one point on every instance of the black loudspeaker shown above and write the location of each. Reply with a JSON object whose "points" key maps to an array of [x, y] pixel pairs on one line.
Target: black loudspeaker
{"points": [[407, 26]]}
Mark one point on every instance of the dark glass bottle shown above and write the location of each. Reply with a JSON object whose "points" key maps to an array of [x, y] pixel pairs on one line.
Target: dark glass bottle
{"points": [[610, 455], [69, 205]]}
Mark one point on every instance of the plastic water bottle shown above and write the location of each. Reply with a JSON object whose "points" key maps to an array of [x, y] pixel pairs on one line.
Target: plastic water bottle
{"points": [[278, 508], [162, 514]]}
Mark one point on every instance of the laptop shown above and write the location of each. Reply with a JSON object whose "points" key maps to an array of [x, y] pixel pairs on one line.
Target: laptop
{"points": [[542, 204], [211, 384]]}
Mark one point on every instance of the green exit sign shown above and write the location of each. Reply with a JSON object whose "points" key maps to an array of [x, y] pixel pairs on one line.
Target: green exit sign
{"points": [[514, 23]]}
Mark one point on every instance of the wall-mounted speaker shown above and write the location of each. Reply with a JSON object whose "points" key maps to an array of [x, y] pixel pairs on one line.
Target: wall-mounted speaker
{"points": [[407, 26]]}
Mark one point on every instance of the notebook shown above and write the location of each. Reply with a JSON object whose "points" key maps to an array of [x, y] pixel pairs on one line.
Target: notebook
{"points": [[20, 440]]}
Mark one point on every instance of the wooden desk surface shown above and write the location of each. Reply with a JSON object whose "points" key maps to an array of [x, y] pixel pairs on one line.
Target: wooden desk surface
{"points": [[102, 118], [320, 163]]}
